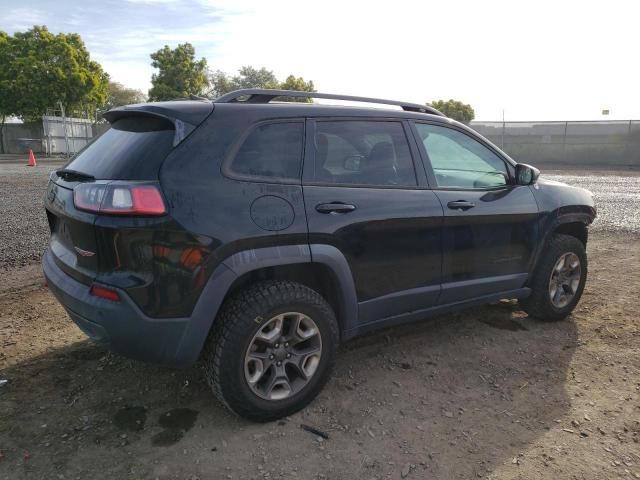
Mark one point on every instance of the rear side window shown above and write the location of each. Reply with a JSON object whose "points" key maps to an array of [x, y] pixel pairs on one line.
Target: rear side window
{"points": [[363, 153], [132, 149], [271, 150]]}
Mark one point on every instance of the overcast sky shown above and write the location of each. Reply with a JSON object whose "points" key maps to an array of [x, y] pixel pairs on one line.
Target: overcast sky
{"points": [[537, 60]]}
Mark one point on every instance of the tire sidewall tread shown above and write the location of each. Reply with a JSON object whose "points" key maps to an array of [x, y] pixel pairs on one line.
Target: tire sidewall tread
{"points": [[538, 305], [236, 324]]}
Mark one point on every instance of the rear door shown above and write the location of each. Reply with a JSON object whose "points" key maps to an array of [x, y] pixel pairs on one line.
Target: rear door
{"points": [[490, 224], [364, 196]]}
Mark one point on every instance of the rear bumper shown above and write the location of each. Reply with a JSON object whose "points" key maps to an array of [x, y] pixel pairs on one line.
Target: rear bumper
{"points": [[122, 326]]}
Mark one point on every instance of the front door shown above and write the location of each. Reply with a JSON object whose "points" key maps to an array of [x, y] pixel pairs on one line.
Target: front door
{"points": [[362, 196], [490, 223]]}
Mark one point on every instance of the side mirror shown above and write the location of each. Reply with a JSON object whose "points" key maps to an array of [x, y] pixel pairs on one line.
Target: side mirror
{"points": [[526, 174]]}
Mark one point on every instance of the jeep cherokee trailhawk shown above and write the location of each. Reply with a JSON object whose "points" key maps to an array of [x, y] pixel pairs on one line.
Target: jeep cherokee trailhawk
{"points": [[254, 236]]}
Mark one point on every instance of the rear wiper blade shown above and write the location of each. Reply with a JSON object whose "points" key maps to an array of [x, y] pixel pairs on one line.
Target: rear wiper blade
{"points": [[70, 174]]}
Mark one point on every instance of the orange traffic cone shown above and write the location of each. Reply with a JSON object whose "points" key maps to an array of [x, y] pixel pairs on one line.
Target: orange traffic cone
{"points": [[32, 159]]}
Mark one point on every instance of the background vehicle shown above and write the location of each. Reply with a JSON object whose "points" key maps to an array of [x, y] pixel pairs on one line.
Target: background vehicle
{"points": [[257, 235]]}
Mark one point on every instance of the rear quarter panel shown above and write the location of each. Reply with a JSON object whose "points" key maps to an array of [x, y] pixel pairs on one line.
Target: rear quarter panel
{"points": [[228, 215]]}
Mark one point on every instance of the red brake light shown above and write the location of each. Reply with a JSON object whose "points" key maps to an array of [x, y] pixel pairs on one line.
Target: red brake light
{"points": [[104, 292], [147, 200], [119, 198]]}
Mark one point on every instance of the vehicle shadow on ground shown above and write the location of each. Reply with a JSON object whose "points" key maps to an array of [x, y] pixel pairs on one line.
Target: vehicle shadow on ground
{"points": [[457, 395], [464, 392]]}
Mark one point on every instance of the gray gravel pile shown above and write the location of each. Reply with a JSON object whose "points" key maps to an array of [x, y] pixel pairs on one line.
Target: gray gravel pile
{"points": [[617, 199], [23, 223]]}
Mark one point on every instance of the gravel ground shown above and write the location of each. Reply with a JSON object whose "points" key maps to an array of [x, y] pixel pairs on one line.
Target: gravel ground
{"points": [[23, 224], [617, 199], [482, 394], [488, 393]]}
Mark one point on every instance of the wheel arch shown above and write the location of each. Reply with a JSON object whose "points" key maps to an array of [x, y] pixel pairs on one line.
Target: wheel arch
{"points": [[574, 228], [573, 224], [320, 267]]}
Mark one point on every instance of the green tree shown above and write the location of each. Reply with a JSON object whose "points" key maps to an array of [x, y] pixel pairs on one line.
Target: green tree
{"points": [[459, 111], [39, 69], [7, 95], [118, 95], [250, 77], [298, 84], [179, 73], [47, 69], [220, 84], [247, 77]]}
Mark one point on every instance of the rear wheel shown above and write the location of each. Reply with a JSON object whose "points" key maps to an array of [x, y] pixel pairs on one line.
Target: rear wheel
{"points": [[559, 280], [271, 350]]}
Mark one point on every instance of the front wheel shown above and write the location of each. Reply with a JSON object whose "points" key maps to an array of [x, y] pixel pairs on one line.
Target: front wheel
{"points": [[559, 279], [271, 350]]}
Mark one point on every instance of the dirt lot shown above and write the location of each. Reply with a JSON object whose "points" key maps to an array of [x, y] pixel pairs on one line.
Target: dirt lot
{"points": [[484, 394]]}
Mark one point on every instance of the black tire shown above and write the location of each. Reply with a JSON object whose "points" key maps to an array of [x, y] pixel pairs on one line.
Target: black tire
{"points": [[539, 305], [232, 334]]}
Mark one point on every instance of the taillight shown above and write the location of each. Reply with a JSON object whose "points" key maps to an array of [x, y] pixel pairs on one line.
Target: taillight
{"points": [[119, 198], [104, 292]]}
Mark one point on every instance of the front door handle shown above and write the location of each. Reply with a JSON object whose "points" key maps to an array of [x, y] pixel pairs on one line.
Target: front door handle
{"points": [[335, 208], [460, 205]]}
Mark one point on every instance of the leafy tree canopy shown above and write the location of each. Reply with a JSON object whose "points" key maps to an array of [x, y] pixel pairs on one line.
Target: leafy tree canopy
{"points": [[459, 111], [250, 77], [118, 95], [7, 89], [7, 96], [298, 84], [39, 69], [179, 73]]}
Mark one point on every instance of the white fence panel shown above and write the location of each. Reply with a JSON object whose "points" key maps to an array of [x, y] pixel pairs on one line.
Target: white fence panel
{"points": [[65, 134]]}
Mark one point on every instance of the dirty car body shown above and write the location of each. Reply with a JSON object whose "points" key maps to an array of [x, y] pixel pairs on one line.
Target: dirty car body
{"points": [[149, 283]]}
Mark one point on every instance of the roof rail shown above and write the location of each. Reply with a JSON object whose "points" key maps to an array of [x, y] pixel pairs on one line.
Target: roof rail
{"points": [[259, 95]]}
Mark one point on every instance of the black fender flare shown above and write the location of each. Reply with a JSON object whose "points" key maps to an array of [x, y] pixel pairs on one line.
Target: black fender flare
{"points": [[240, 263], [558, 219]]}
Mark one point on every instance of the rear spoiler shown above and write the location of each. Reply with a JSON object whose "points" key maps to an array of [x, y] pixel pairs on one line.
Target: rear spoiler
{"points": [[185, 115]]}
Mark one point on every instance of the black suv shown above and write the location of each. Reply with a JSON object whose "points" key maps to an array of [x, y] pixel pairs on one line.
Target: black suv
{"points": [[255, 236]]}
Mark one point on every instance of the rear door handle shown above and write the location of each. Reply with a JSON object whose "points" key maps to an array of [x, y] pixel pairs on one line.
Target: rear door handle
{"points": [[460, 205], [335, 208]]}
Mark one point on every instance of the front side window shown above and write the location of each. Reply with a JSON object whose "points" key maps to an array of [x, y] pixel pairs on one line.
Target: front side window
{"points": [[271, 150], [459, 161], [363, 153]]}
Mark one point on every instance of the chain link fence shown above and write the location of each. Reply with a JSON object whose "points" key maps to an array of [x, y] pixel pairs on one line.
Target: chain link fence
{"points": [[597, 143]]}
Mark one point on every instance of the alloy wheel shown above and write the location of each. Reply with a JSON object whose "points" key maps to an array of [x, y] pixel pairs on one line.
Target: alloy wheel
{"points": [[283, 356], [564, 280]]}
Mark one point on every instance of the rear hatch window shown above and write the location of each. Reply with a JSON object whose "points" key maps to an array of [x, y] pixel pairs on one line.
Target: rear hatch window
{"points": [[132, 149]]}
